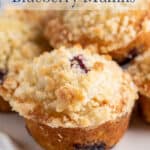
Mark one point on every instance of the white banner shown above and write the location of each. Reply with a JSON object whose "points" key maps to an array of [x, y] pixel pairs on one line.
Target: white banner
{"points": [[74, 4]]}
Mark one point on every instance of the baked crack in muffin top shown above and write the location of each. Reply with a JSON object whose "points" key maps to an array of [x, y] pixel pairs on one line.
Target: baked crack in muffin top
{"points": [[71, 88], [140, 72]]}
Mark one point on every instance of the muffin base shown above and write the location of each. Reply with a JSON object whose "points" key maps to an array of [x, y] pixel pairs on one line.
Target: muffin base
{"points": [[102, 137], [144, 105], [4, 106]]}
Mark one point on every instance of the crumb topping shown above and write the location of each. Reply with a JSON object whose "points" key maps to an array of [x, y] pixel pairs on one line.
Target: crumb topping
{"points": [[18, 40], [107, 29], [140, 71], [52, 91]]}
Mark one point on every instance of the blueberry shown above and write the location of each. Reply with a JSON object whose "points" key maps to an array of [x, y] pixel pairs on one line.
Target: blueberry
{"points": [[100, 146], [2, 75], [78, 61], [133, 53]]}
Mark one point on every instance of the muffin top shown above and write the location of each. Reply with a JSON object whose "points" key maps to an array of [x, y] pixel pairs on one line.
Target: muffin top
{"points": [[71, 88], [108, 29], [36, 19], [19, 42], [140, 71]]}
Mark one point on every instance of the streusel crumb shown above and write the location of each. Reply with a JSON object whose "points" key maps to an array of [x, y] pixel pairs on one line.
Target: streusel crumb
{"points": [[108, 29], [19, 40], [16, 43], [140, 71], [71, 88]]}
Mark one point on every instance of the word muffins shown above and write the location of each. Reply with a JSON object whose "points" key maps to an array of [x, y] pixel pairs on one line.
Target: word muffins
{"points": [[19, 44], [113, 29], [72, 99], [140, 71]]}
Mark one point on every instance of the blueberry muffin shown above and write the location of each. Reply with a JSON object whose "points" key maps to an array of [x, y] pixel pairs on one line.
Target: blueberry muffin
{"points": [[118, 30], [36, 18], [72, 99], [19, 40], [140, 71]]}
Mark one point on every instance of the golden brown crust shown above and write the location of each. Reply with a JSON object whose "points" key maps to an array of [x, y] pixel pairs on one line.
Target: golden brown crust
{"points": [[144, 104], [107, 134], [4, 106]]}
